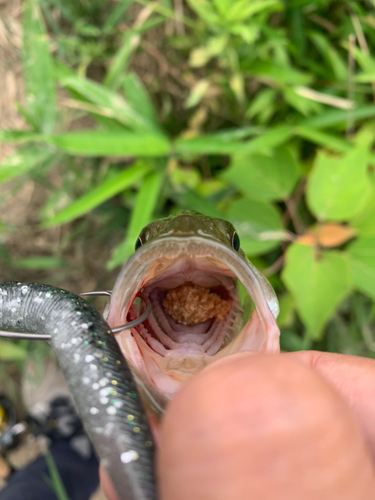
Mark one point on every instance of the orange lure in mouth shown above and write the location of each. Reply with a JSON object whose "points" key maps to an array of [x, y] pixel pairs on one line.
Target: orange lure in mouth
{"points": [[189, 267]]}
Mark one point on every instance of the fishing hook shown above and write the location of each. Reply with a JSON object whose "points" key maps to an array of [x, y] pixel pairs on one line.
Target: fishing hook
{"points": [[116, 329]]}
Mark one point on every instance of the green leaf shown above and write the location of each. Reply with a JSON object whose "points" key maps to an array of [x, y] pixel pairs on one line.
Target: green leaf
{"points": [[264, 177], [241, 10], [258, 224], [362, 264], [270, 139], [339, 117], [318, 282], [23, 161], [214, 47], [122, 59], [186, 198], [38, 70], [54, 478], [39, 263], [338, 186], [19, 136], [276, 73], [140, 99], [263, 105], [116, 15], [300, 103], [113, 104], [10, 351], [218, 144], [197, 93], [364, 222], [145, 204], [109, 188], [287, 308], [330, 141], [205, 10], [95, 143], [331, 56]]}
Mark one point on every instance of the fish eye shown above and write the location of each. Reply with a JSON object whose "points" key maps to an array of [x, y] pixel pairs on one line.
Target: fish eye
{"points": [[235, 241], [138, 243]]}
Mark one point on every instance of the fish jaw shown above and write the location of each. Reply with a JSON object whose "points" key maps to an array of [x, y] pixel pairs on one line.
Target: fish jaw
{"points": [[164, 355]]}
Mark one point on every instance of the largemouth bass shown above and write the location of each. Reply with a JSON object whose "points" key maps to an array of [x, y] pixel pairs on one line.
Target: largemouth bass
{"points": [[197, 250], [187, 255]]}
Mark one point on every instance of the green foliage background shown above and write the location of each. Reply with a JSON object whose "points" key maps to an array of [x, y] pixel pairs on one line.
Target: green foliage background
{"points": [[257, 111]]}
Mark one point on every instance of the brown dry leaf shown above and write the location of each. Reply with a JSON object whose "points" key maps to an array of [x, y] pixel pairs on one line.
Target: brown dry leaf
{"points": [[307, 239], [327, 235]]}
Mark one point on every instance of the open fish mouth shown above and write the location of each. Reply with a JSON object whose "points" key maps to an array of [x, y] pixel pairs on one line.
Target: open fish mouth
{"points": [[196, 318]]}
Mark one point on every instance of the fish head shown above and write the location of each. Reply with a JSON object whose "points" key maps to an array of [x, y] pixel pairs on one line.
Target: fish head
{"points": [[189, 262]]}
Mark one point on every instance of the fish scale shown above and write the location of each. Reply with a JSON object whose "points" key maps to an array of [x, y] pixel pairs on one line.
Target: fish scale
{"points": [[97, 375]]}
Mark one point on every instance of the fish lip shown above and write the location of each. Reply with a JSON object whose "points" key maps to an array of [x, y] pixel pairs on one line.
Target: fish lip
{"points": [[133, 274]]}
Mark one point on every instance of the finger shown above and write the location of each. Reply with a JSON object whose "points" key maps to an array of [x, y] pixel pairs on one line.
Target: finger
{"points": [[262, 427], [354, 378], [106, 484]]}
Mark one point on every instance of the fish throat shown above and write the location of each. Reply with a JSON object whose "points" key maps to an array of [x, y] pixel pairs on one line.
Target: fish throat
{"points": [[196, 312]]}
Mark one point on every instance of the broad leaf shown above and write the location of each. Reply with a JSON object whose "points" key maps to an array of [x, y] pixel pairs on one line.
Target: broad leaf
{"points": [[38, 70], [102, 193], [362, 264], [338, 186], [318, 281], [146, 201], [94, 143], [364, 221], [258, 224], [264, 177]]}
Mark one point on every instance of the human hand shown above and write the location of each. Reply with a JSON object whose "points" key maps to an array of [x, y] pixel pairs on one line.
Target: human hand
{"points": [[289, 426]]}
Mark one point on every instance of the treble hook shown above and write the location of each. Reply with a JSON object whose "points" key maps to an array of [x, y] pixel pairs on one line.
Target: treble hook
{"points": [[116, 329]]}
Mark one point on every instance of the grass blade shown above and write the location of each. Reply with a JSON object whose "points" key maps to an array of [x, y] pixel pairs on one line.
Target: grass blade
{"points": [[121, 60], [104, 192], [339, 117], [145, 204], [38, 70], [55, 480], [94, 143], [218, 144], [333, 142], [140, 100], [114, 105], [19, 136], [39, 263]]}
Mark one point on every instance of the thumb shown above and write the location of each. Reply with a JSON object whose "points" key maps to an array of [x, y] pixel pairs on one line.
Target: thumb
{"points": [[262, 427]]}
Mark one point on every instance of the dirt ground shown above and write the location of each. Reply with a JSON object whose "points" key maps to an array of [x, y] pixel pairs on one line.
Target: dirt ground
{"points": [[20, 207]]}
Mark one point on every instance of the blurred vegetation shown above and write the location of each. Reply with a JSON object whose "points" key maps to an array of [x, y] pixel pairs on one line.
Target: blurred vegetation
{"points": [[261, 112]]}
